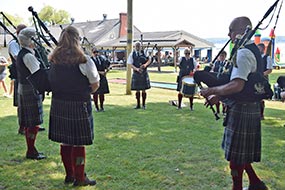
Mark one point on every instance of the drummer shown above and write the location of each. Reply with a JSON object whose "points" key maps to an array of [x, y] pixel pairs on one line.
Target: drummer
{"points": [[187, 66]]}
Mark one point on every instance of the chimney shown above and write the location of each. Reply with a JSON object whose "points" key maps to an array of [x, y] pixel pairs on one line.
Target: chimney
{"points": [[123, 24], [104, 17]]}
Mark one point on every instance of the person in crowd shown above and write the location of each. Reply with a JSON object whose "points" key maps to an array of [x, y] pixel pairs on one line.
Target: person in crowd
{"points": [[242, 133], [187, 66], [30, 112], [73, 77], [13, 50], [218, 65], [102, 65], [267, 67], [140, 79], [3, 73]]}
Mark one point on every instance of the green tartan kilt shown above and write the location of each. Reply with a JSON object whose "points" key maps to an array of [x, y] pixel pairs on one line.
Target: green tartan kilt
{"points": [[242, 134]]}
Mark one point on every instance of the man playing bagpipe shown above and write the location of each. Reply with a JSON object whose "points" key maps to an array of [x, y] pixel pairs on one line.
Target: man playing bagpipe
{"points": [[140, 79], [243, 88]]}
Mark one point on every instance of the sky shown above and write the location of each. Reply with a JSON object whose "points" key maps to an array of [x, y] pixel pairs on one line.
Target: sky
{"points": [[203, 18]]}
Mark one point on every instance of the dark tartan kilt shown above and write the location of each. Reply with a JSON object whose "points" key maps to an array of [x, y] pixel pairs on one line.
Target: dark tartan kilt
{"points": [[71, 122], [15, 96], [179, 84], [242, 135], [140, 81], [30, 111], [104, 86]]}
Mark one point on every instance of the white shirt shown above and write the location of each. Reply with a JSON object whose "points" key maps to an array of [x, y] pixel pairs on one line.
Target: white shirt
{"points": [[31, 61], [130, 58], [14, 48], [90, 71], [246, 63]]}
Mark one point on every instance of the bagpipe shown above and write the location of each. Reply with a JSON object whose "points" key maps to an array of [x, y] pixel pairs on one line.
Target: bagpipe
{"points": [[143, 57], [256, 88], [86, 45], [40, 79]]}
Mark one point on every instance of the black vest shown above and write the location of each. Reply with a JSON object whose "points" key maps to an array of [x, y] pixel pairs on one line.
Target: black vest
{"points": [[104, 63], [139, 59], [22, 71], [186, 66], [256, 87], [68, 83]]}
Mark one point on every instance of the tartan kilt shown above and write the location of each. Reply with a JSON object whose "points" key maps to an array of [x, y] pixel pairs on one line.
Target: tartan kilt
{"points": [[71, 122], [104, 86], [242, 135], [179, 84], [15, 95], [140, 81], [30, 111]]}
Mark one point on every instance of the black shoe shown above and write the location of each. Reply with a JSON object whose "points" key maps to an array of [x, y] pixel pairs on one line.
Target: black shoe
{"points": [[101, 110], [191, 108], [144, 107], [137, 107], [68, 179], [179, 108], [42, 129], [36, 156], [260, 186], [85, 182]]}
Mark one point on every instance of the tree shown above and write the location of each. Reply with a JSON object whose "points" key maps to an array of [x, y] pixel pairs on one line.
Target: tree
{"points": [[61, 17], [15, 19], [52, 16]]}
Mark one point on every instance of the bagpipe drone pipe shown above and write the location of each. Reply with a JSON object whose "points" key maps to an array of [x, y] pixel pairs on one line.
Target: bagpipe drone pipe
{"points": [[39, 80], [144, 58], [12, 67]]}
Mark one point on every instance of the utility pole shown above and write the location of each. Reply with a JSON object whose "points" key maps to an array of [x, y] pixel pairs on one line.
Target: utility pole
{"points": [[129, 46]]}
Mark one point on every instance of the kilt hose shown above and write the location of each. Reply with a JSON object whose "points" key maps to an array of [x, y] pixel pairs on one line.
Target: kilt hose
{"points": [[30, 111], [71, 122], [140, 81], [242, 134]]}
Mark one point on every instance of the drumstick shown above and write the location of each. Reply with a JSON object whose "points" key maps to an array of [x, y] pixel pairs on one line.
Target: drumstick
{"points": [[207, 100]]}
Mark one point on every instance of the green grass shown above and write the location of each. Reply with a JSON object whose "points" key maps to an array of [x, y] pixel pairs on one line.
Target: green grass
{"points": [[154, 149]]}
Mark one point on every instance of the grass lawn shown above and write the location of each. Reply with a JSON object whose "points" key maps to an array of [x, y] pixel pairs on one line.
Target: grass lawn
{"points": [[160, 148]]}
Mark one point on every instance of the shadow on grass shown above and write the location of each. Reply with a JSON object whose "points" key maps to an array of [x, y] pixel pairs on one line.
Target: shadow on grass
{"points": [[157, 148]]}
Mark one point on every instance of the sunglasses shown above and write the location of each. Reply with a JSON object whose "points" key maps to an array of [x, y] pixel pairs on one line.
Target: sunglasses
{"points": [[187, 53]]}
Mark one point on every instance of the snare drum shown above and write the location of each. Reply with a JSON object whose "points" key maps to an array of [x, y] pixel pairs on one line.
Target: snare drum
{"points": [[188, 88]]}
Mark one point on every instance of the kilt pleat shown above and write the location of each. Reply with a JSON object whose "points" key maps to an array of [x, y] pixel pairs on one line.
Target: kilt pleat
{"points": [[104, 86], [71, 122], [242, 135], [140, 81], [30, 111]]}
